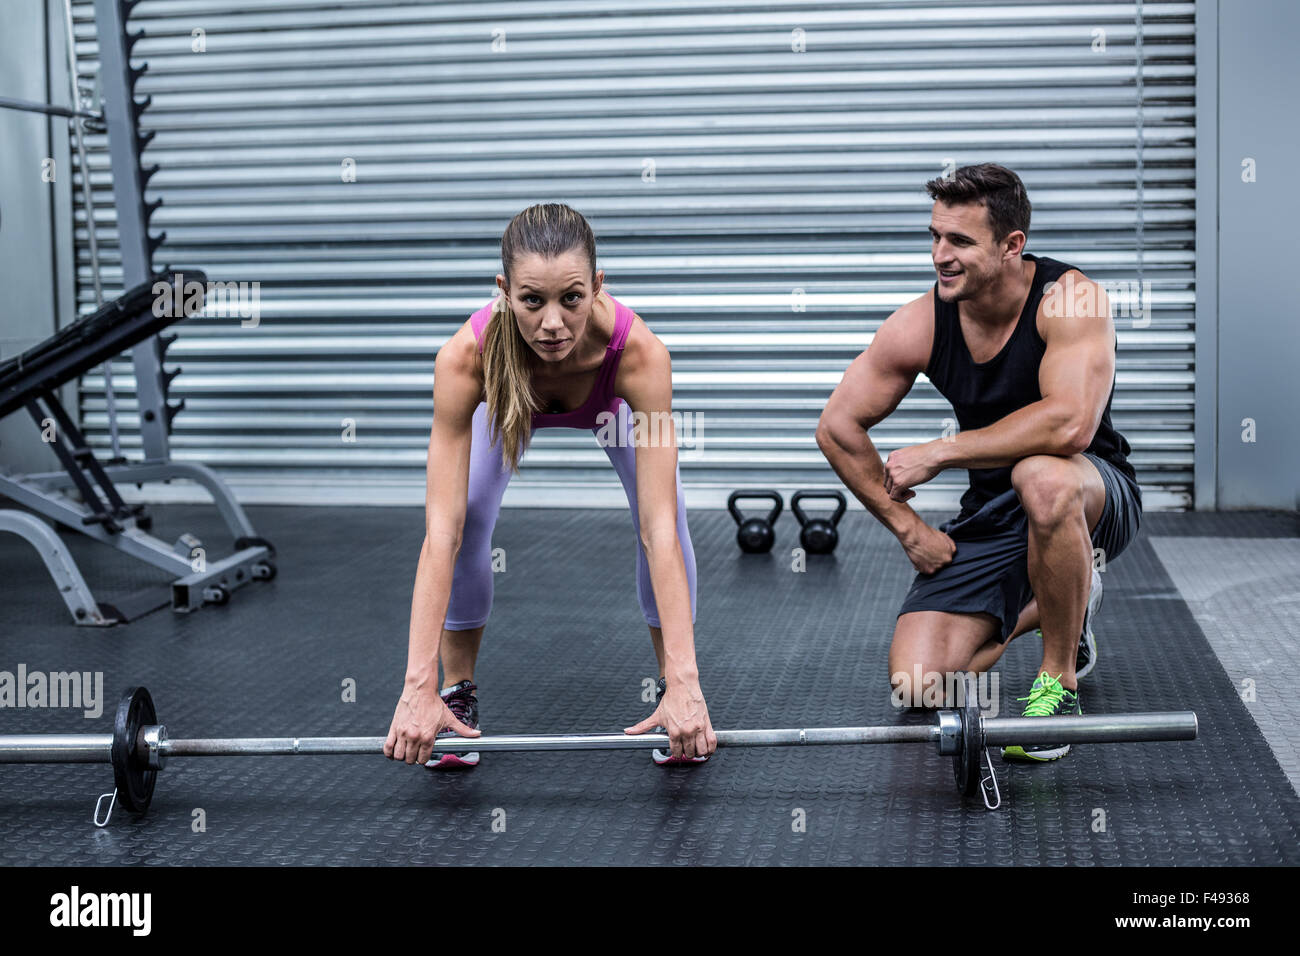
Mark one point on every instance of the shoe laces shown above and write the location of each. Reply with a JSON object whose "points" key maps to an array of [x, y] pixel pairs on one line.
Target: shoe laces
{"points": [[1044, 697], [461, 702]]}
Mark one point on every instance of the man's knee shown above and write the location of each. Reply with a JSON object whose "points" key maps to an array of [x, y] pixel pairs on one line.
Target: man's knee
{"points": [[1050, 488], [908, 686], [922, 659], [922, 683]]}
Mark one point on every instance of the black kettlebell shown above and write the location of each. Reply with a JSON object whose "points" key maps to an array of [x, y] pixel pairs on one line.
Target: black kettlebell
{"points": [[755, 535], [818, 535]]}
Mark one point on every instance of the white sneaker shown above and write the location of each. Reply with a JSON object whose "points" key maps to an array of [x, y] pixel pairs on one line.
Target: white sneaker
{"points": [[1086, 658]]}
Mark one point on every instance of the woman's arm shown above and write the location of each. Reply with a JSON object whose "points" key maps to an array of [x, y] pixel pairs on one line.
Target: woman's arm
{"points": [[457, 389], [645, 382]]}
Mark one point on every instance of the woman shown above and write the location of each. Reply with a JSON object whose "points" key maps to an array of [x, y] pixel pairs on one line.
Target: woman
{"points": [[553, 350]]}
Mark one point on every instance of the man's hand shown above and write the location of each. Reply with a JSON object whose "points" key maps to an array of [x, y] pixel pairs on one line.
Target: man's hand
{"points": [[908, 467], [929, 549], [685, 716]]}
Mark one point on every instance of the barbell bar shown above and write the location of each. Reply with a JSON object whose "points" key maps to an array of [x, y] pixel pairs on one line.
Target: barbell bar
{"points": [[96, 748], [139, 747]]}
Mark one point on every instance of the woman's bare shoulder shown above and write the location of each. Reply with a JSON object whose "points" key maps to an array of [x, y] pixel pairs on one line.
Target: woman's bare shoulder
{"points": [[643, 347], [458, 369], [645, 359]]}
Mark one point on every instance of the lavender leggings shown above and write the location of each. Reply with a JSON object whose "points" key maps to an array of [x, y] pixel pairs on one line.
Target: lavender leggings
{"points": [[471, 586]]}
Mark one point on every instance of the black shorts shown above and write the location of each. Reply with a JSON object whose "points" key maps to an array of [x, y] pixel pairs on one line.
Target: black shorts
{"points": [[990, 570]]}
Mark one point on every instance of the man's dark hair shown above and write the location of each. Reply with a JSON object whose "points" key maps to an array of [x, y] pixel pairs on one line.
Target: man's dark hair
{"points": [[994, 187]]}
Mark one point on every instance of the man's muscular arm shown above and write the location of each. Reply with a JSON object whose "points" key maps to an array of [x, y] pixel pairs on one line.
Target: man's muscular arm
{"points": [[871, 389]]}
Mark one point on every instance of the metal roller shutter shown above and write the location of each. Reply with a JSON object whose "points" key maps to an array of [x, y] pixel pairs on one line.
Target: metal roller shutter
{"points": [[774, 170]]}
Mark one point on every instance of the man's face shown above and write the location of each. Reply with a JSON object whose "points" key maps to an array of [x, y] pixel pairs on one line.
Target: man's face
{"points": [[966, 257], [552, 300]]}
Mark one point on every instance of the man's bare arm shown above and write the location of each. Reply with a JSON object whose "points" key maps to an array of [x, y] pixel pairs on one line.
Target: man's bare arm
{"points": [[1074, 378], [871, 389]]}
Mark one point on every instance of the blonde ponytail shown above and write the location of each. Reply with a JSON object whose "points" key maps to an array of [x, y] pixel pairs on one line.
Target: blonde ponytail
{"points": [[508, 384]]}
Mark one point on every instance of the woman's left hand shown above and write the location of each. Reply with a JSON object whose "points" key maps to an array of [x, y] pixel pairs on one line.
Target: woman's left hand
{"points": [[685, 716]]}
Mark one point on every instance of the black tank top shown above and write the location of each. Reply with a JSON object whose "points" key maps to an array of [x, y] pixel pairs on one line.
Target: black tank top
{"points": [[981, 394]]}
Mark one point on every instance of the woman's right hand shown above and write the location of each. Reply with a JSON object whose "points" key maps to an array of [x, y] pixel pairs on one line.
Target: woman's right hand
{"points": [[420, 716]]}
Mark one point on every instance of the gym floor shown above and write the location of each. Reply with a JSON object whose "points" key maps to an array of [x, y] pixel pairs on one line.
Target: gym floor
{"points": [[1200, 613]]}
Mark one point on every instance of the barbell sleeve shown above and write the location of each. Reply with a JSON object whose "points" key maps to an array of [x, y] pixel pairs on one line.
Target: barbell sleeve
{"points": [[56, 748], [1091, 728]]}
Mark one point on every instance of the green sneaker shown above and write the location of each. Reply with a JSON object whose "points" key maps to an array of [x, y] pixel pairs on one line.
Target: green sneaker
{"points": [[1047, 698]]}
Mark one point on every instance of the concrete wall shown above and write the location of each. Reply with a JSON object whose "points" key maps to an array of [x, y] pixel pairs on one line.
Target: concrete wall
{"points": [[1258, 317], [35, 216]]}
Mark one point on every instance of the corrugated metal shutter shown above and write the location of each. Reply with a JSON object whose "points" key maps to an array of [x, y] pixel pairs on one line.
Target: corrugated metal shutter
{"points": [[774, 170]]}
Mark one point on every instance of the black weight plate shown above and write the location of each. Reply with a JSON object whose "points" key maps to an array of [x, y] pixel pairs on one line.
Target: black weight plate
{"points": [[135, 781], [966, 762]]}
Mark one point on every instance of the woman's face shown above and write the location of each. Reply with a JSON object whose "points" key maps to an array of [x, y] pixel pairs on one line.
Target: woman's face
{"points": [[552, 300]]}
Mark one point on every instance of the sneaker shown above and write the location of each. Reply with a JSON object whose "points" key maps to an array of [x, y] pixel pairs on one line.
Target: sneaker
{"points": [[463, 703], [665, 758], [1086, 658], [1047, 698]]}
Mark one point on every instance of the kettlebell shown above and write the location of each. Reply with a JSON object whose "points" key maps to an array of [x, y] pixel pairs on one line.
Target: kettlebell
{"points": [[818, 535], [755, 535]]}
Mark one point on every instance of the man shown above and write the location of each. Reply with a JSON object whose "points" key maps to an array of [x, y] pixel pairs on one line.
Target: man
{"points": [[1023, 348]]}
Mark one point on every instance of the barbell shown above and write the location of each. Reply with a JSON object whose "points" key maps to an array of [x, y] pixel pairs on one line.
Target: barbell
{"points": [[139, 746]]}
